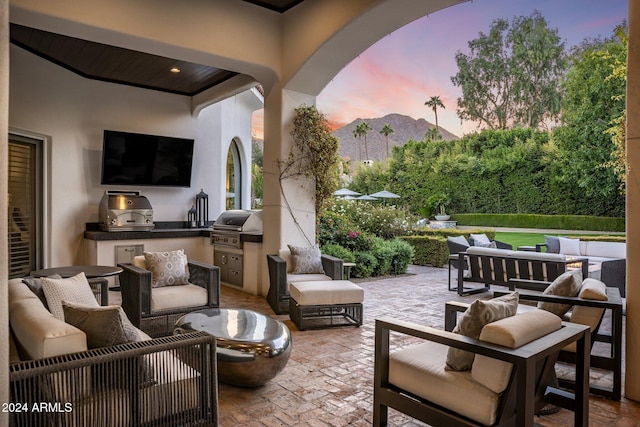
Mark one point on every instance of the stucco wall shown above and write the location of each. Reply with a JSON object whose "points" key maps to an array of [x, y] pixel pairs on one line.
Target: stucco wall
{"points": [[72, 112]]}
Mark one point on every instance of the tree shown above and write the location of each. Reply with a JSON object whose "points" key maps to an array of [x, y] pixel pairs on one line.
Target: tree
{"points": [[362, 129], [357, 134], [432, 134], [594, 100], [434, 102], [511, 75], [386, 131]]}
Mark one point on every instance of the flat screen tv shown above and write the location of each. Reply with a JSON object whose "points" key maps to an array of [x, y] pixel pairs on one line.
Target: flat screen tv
{"points": [[146, 160]]}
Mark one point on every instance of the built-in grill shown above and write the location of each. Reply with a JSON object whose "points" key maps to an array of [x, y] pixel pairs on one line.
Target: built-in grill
{"points": [[226, 239], [125, 211], [230, 224]]}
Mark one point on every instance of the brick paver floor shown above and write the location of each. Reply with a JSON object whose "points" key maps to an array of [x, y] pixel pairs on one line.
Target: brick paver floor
{"points": [[329, 378]]}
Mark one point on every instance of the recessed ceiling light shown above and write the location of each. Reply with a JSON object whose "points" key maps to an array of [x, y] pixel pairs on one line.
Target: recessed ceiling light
{"points": [[175, 70]]}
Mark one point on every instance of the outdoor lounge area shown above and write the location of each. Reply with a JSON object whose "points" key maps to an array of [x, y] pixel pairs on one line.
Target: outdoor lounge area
{"points": [[329, 377]]}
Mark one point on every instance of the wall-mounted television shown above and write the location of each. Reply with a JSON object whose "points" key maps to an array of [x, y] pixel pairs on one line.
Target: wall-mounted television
{"points": [[146, 160]]}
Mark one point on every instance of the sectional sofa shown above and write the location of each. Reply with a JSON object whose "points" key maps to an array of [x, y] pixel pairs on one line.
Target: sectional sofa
{"points": [[607, 260], [162, 381]]}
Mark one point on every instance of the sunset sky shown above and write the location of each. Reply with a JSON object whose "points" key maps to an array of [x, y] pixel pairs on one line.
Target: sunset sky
{"points": [[403, 70]]}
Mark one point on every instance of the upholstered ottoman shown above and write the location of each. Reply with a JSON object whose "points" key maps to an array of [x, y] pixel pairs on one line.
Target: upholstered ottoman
{"points": [[327, 303]]}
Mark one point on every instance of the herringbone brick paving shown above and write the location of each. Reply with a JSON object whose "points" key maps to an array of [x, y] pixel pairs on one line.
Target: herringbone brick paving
{"points": [[329, 378]]}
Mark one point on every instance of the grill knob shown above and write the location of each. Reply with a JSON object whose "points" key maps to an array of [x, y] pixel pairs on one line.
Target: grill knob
{"points": [[114, 221]]}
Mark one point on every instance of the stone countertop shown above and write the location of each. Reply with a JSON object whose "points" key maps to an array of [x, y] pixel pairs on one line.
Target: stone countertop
{"points": [[166, 233], [166, 230]]}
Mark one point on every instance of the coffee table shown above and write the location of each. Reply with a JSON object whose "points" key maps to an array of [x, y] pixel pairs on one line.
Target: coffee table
{"points": [[252, 348]]}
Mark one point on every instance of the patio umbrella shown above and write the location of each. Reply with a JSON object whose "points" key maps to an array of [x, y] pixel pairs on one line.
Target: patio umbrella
{"points": [[366, 197], [345, 192], [384, 194]]}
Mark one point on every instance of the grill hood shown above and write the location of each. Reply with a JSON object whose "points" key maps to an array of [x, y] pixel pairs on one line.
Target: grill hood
{"points": [[243, 221]]}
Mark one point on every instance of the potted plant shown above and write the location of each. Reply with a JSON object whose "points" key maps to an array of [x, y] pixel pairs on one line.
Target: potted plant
{"points": [[436, 206]]}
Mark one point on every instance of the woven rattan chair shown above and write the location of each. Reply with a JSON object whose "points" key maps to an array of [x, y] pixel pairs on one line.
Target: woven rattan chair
{"points": [[166, 381], [139, 303]]}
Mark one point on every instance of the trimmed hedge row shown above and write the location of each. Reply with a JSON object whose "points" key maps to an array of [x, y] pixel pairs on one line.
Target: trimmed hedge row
{"points": [[554, 222]]}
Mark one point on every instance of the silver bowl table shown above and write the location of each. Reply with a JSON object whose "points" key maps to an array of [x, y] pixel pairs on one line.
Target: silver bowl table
{"points": [[252, 348]]}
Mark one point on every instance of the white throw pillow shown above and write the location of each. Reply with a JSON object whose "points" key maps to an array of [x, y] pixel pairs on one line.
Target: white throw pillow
{"points": [[569, 246], [461, 240], [74, 290], [480, 239]]}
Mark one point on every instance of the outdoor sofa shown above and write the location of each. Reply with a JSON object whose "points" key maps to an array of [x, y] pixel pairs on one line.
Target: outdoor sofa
{"points": [[607, 260], [490, 266], [56, 380]]}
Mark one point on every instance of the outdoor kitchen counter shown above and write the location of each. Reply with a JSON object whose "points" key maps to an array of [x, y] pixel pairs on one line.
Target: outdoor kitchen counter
{"points": [[161, 231]]}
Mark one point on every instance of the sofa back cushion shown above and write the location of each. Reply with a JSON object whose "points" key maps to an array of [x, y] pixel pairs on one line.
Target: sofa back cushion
{"points": [[37, 332], [616, 250], [511, 332], [285, 254]]}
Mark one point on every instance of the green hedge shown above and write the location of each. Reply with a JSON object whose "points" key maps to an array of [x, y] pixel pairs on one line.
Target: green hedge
{"points": [[554, 222], [446, 232], [429, 249]]}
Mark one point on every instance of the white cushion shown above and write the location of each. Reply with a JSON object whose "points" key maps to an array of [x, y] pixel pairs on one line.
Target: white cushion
{"points": [[138, 261], [478, 250], [326, 292], [480, 238], [169, 297], [607, 250], [511, 332], [291, 278], [542, 256], [75, 290], [569, 246], [420, 369], [285, 254]]}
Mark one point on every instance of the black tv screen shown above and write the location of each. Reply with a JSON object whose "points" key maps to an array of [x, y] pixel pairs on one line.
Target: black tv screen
{"points": [[146, 160]]}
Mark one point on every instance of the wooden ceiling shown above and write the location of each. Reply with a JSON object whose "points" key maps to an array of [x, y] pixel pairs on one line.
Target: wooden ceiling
{"points": [[124, 66], [117, 65]]}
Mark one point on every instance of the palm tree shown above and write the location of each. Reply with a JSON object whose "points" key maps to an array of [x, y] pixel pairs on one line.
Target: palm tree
{"points": [[357, 133], [434, 102], [364, 130], [386, 131]]}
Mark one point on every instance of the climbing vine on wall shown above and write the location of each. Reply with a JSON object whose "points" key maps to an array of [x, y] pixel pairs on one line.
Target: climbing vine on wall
{"points": [[313, 156]]}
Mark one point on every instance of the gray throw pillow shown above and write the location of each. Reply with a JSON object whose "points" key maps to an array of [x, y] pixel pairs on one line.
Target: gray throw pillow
{"points": [[553, 244], [306, 260], [168, 268], [492, 245], [104, 326], [568, 284], [479, 313], [35, 285]]}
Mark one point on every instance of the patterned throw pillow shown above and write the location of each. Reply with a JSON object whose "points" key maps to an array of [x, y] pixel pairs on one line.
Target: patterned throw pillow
{"points": [[75, 290], [553, 244], [306, 260], [479, 313], [105, 326], [566, 285], [167, 268]]}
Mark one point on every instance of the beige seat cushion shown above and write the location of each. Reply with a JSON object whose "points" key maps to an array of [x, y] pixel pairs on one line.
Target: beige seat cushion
{"points": [[420, 369], [170, 297], [326, 292], [591, 289]]}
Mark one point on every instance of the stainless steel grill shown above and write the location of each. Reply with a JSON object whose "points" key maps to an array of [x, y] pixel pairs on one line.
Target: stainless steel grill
{"points": [[125, 211], [226, 239]]}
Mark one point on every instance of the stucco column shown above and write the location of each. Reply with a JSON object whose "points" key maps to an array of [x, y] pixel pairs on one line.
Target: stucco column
{"points": [[4, 274], [291, 216], [632, 357]]}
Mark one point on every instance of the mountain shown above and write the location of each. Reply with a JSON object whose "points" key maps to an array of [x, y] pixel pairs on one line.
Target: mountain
{"points": [[404, 129]]}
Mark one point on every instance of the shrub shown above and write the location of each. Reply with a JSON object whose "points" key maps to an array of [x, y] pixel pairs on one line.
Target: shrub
{"points": [[384, 255], [403, 254], [429, 250], [339, 252], [365, 264], [564, 222]]}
